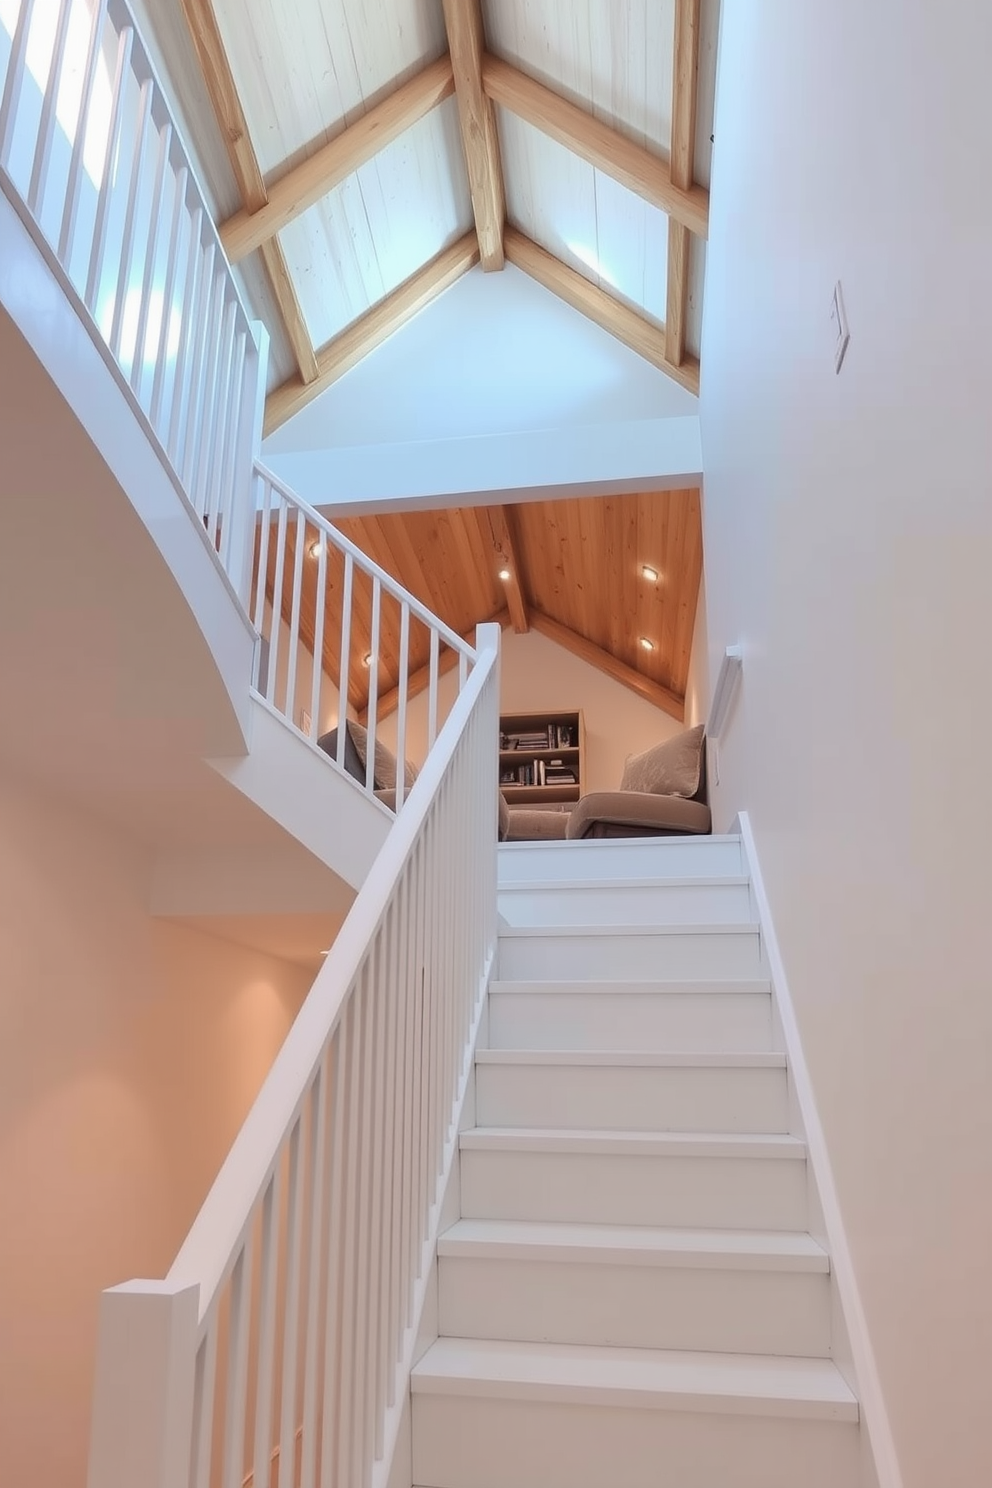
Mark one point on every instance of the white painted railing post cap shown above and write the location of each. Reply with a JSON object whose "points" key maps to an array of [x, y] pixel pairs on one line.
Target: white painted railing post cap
{"points": [[142, 1418], [487, 636]]}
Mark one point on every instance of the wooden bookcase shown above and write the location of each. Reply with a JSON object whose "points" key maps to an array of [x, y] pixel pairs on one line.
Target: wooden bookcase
{"points": [[532, 749]]}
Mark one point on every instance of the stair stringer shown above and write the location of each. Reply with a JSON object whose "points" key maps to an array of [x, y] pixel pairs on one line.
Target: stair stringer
{"points": [[851, 1345], [308, 794]]}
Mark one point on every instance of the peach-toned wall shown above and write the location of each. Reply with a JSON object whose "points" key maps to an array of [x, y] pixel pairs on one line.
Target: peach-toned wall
{"points": [[131, 1050]]}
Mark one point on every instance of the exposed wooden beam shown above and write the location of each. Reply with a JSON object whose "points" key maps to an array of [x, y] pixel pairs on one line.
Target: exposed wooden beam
{"points": [[284, 291], [296, 191], [641, 335], [653, 692], [627, 162], [684, 94], [219, 80], [467, 43], [372, 328], [419, 681], [230, 116], [499, 524]]}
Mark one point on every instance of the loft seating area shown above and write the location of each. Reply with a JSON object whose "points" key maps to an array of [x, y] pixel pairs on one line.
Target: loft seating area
{"points": [[462, 1029]]}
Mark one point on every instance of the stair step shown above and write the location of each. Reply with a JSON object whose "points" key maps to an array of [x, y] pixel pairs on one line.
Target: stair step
{"points": [[730, 1291], [651, 858], [635, 1245], [648, 901], [638, 1379], [728, 1015], [628, 952], [492, 1414], [687, 1180], [649, 1090]]}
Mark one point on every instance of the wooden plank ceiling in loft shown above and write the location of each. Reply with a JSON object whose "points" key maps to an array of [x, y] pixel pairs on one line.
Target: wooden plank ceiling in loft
{"points": [[380, 151], [575, 571]]}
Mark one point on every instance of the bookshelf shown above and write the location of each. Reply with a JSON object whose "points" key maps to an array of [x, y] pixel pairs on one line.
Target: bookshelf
{"points": [[542, 757]]}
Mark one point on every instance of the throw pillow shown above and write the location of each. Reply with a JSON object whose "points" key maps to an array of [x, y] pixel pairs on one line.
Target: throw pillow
{"points": [[669, 769]]}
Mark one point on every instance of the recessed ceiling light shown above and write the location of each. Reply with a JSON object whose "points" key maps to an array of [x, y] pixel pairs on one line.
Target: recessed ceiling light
{"points": [[649, 573], [645, 644], [504, 574], [367, 659], [316, 547]]}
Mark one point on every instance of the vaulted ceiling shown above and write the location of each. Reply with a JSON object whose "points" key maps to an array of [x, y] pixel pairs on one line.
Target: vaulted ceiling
{"points": [[381, 151], [613, 579]]}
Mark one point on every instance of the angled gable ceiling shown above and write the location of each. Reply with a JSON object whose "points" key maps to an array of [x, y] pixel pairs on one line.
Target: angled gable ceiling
{"points": [[382, 151]]}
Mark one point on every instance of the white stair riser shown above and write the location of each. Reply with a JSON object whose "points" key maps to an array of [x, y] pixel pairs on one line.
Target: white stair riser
{"points": [[572, 862], [470, 1442], [669, 1307], [647, 904], [593, 1188], [687, 954], [632, 1098], [701, 1022]]}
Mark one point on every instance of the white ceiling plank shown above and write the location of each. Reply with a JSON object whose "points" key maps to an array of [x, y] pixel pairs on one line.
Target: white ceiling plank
{"points": [[613, 54], [301, 83], [381, 225]]}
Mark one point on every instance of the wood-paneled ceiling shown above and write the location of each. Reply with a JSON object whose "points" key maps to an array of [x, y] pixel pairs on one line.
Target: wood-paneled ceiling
{"points": [[380, 151], [575, 571]]}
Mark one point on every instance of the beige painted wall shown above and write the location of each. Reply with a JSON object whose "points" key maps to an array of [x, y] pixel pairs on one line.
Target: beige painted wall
{"points": [[698, 687], [130, 1052], [537, 673], [848, 531]]}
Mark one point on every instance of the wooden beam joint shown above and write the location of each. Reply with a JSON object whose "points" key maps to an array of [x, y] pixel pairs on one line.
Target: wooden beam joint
{"points": [[477, 118]]}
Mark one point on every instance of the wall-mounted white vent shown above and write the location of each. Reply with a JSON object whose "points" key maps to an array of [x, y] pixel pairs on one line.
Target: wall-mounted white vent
{"points": [[727, 683]]}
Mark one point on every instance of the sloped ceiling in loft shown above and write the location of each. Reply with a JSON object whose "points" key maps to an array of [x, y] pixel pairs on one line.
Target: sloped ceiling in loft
{"points": [[379, 152], [575, 572]]}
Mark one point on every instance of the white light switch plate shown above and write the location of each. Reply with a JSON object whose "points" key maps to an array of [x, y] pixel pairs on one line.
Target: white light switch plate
{"points": [[838, 318]]}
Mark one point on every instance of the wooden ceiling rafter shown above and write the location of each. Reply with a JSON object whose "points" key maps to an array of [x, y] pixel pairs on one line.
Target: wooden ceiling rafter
{"points": [[498, 526], [644, 336], [684, 97], [222, 92], [477, 118], [305, 184], [648, 175], [604, 661], [372, 328]]}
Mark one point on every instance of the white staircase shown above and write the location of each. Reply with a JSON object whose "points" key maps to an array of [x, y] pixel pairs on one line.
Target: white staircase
{"points": [[631, 1296]]}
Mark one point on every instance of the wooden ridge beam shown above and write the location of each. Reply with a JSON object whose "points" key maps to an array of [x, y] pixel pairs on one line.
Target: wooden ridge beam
{"points": [[684, 96], [372, 328], [640, 170], [641, 335], [588, 651], [477, 117], [419, 680], [497, 526], [223, 94], [297, 190]]}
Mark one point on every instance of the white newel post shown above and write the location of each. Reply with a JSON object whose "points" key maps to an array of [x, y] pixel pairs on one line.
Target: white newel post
{"points": [[142, 1420], [250, 419]]}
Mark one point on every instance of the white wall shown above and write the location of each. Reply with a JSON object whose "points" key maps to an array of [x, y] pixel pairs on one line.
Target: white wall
{"points": [[848, 537], [130, 1053], [537, 673], [553, 401]]}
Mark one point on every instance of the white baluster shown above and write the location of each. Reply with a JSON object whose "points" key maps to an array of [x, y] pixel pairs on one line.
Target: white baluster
{"points": [[16, 67], [171, 274], [374, 686], [402, 685], [277, 587], [46, 125], [151, 256], [299, 545], [101, 224], [432, 690], [320, 609], [266, 1350], [71, 206], [145, 98], [344, 673], [193, 292], [237, 1368], [291, 1312]]}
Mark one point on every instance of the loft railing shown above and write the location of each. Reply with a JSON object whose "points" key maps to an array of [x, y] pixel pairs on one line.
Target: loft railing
{"points": [[335, 627], [92, 160], [278, 1349]]}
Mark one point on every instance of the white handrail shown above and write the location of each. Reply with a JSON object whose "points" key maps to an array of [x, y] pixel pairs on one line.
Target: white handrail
{"points": [[94, 164], [293, 1301], [304, 587]]}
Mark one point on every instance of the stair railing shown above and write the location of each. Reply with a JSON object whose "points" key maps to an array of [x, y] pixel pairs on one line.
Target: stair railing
{"points": [[92, 161], [367, 643], [277, 1351]]}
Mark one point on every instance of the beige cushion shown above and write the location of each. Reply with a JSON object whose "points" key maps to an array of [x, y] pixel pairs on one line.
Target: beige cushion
{"points": [[669, 769], [636, 813], [534, 825], [384, 769]]}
